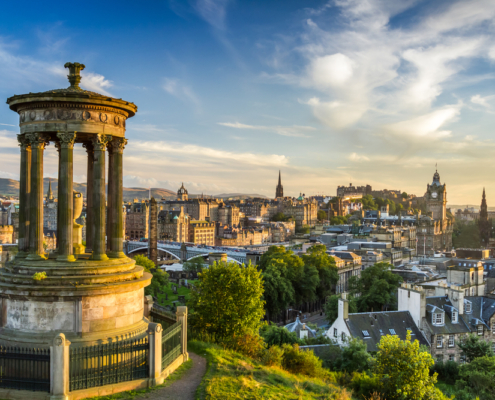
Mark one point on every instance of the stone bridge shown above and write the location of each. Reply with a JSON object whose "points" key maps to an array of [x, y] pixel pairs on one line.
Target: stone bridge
{"points": [[191, 251]]}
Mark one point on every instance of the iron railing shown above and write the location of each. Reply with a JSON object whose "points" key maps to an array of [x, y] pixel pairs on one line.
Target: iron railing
{"points": [[107, 364], [161, 315], [171, 344], [25, 369]]}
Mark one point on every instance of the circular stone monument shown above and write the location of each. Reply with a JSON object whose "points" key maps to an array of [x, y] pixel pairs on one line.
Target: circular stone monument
{"points": [[93, 294]]}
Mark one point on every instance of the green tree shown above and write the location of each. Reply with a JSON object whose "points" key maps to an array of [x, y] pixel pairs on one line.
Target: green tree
{"points": [[321, 215], [274, 335], [353, 357], [467, 235], [279, 292], [279, 217], [375, 289], [304, 229], [195, 264], [473, 347], [403, 370], [404, 195], [332, 307], [159, 280], [369, 203], [227, 302], [477, 379], [327, 270]]}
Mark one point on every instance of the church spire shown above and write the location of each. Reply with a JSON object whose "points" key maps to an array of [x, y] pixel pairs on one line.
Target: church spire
{"points": [[279, 191], [49, 196]]}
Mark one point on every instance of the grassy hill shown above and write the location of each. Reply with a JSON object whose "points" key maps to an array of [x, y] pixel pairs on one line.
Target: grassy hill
{"points": [[233, 376], [9, 187]]}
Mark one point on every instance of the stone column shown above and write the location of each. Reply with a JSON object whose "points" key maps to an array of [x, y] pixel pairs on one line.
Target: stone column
{"points": [[38, 143], [110, 189], [182, 318], [155, 360], [65, 196], [24, 190], [59, 368], [153, 233], [57, 146], [90, 229], [99, 146], [115, 208]]}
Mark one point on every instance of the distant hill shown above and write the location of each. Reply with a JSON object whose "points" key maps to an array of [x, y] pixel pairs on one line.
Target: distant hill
{"points": [[238, 196], [9, 187]]}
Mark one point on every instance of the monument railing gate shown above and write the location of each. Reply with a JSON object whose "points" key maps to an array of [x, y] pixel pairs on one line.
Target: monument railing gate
{"points": [[25, 368], [171, 344]]}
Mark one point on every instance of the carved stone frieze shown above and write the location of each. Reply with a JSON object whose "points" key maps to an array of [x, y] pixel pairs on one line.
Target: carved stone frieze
{"points": [[65, 114]]}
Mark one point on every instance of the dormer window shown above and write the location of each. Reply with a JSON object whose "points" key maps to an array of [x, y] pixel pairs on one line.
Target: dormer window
{"points": [[454, 316], [438, 318], [392, 331], [467, 307]]}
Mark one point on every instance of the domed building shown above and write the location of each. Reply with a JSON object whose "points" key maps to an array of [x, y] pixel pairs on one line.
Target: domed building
{"points": [[182, 194]]}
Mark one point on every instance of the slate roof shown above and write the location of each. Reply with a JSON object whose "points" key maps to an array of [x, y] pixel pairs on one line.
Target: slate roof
{"points": [[383, 322], [483, 307], [298, 326], [433, 304]]}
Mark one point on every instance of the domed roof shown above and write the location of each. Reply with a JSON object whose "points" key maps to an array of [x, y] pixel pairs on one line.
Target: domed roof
{"points": [[300, 198], [436, 179]]}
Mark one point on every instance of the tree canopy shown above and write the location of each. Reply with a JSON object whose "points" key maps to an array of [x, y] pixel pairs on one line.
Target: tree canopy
{"points": [[160, 278], [228, 301], [375, 289], [195, 264], [473, 347], [321, 215], [279, 217], [327, 270]]}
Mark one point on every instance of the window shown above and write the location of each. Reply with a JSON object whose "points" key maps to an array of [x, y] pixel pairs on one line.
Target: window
{"points": [[392, 331], [468, 307], [454, 316], [472, 291], [335, 332], [493, 327], [366, 334], [439, 341], [451, 357], [480, 330], [451, 341], [438, 318], [343, 336], [462, 359]]}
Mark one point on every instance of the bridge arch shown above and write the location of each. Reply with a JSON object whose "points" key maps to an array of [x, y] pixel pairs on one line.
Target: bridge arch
{"points": [[146, 248]]}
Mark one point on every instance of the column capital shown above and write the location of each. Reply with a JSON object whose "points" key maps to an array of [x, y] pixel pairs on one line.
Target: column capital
{"points": [[100, 141], [89, 147], [37, 140], [66, 139], [23, 142], [116, 145]]}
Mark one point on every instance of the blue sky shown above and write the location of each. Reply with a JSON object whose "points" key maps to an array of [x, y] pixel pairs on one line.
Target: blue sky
{"points": [[229, 91]]}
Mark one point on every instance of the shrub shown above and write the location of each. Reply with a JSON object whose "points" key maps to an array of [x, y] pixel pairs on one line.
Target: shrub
{"points": [[477, 379], [301, 362], [277, 336], [364, 385], [448, 372], [39, 276], [249, 344], [273, 356]]}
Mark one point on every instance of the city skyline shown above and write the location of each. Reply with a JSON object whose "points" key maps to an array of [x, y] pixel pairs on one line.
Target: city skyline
{"points": [[330, 93]]}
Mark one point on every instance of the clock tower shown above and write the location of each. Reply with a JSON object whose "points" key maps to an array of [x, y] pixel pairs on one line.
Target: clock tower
{"points": [[436, 199]]}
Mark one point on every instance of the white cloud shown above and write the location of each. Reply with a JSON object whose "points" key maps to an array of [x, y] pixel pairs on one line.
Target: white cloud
{"points": [[199, 152], [176, 88], [95, 83], [8, 139], [213, 12], [482, 101], [293, 131], [357, 157], [331, 71], [337, 114], [425, 127]]}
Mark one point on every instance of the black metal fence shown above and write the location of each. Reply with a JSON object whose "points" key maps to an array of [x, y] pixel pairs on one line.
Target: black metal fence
{"points": [[25, 369], [161, 315], [110, 363], [171, 344]]}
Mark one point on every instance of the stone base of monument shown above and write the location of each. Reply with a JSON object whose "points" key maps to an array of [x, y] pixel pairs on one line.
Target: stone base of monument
{"points": [[88, 301]]}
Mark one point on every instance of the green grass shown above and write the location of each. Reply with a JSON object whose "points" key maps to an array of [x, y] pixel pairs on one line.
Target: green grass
{"points": [[174, 297], [132, 394], [233, 376]]}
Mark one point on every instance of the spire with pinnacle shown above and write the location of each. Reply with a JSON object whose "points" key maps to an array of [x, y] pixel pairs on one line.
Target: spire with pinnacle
{"points": [[49, 196], [279, 191], [484, 224]]}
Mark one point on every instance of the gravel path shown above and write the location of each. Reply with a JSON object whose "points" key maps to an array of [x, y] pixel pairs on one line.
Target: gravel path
{"points": [[185, 387]]}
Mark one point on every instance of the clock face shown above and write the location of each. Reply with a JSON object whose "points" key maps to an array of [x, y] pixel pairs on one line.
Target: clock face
{"points": [[434, 195]]}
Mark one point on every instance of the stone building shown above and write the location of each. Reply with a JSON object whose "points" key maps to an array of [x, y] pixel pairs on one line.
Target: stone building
{"points": [[484, 223], [303, 211], [228, 215], [182, 194], [343, 191], [137, 220], [434, 230], [173, 225], [348, 264], [202, 232], [6, 234], [448, 317], [201, 209], [50, 210]]}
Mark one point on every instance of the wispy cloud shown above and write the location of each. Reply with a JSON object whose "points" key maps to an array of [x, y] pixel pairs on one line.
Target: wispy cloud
{"points": [[482, 101], [212, 11], [293, 131], [177, 88]]}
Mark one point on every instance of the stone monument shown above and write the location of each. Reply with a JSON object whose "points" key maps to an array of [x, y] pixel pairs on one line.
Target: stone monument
{"points": [[95, 296]]}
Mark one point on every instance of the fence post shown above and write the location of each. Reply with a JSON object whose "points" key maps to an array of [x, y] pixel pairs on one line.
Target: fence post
{"points": [[155, 354], [59, 368], [182, 318]]}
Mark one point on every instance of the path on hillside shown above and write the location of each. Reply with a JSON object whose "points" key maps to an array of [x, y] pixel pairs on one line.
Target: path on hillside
{"points": [[185, 387]]}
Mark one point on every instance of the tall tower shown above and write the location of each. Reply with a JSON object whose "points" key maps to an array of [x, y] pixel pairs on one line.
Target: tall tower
{"points": [[49, 195], [279, 191], [182, 194], [484, 224], [436, 198]]}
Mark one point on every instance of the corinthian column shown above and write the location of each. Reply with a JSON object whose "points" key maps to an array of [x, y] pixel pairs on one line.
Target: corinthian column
{"points": [[38, 143], [99, 146], [90, 228], [65, 196], [115, 207], [24, 190]]}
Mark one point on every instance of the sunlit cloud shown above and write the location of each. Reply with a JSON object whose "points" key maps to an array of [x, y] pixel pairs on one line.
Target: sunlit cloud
{"points": [[294, 131]]}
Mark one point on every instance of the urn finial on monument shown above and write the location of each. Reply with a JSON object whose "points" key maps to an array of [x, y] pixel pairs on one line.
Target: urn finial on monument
{"points": [[74, 74]]}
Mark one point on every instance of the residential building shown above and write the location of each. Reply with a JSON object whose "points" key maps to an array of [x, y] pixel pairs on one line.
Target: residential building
{"points": [[173, 225], [137, 220], [202, 232]]}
